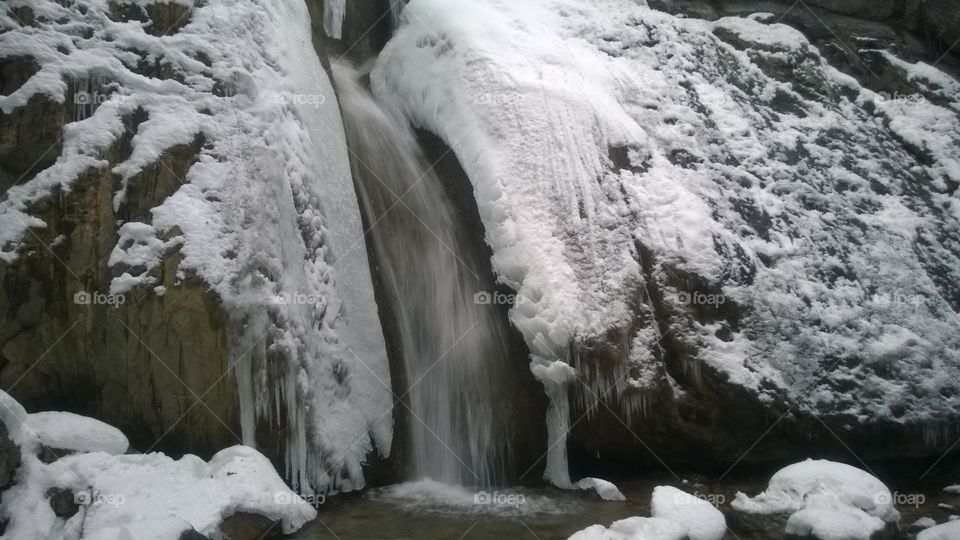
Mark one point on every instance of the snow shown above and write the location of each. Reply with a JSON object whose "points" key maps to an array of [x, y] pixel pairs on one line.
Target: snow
{"points": [[606, 490], [267, 210], [702, 520], [14, 417], [945, 531], [955, 489], [634, 528], [68, 431], [143, 496], [590, 129], [832, 501], [923, 523], [151, 494]]}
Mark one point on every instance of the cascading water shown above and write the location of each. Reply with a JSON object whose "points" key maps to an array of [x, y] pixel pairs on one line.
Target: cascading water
{"points": [[453, 348]]}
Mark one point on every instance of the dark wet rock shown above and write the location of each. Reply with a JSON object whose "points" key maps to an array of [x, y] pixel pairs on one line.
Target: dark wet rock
{"points": [[63, 502], [9, 457], [192, 534], [247, 526]]}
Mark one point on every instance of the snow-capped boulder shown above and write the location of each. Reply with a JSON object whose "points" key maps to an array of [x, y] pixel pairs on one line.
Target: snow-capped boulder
{"points": [[606, 490], [635, 528], [716, 228], [819, 499], [944, 531], [702, 520], [64, 432]]}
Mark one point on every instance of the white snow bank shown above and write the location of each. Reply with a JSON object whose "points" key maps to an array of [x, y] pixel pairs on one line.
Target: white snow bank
{"points": [[150, 496], [68, 431], [702, 520], [634, 528], [833, 501], [142, 496], [153, 486], [606, 490], [944, 531]]}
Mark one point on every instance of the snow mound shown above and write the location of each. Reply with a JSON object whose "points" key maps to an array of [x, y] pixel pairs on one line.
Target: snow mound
{"points": [[151, 496], [606, 490], [142, 496], [955, 490], [944, 531], [634, 528], [68, 431], [151, 487], [832, 501], [702, 520]]}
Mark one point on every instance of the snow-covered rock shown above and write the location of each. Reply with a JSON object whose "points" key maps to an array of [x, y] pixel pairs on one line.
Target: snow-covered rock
{"points": [[706, 200], [196, 185], [635, 528], [922, 523], [702, 520], [822, 499], [944, 531], [76, 433], [607, 491], [148, 496]]}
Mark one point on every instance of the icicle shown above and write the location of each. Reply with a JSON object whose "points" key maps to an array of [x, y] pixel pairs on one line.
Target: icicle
{"points": [[555, 377]]}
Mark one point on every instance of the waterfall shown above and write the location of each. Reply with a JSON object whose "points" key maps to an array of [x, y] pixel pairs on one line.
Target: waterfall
{"points": [[453, 343]]}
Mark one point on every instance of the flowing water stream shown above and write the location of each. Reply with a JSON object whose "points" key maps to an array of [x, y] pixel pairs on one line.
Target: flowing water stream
{"points": [[453, 348]]}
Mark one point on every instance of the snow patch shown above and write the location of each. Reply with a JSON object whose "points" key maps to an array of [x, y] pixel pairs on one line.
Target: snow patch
{"points": [[68, 431]]}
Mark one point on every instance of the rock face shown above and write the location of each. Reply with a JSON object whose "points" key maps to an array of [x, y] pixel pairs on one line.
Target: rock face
{"points": [[848, 33], [140, 364], [178, 231], [741, 249]]}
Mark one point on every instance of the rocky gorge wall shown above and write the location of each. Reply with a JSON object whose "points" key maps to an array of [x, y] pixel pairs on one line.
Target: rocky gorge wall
{"points": [[181, 246]]}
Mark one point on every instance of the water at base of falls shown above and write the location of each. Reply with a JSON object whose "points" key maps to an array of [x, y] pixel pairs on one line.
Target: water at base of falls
{"points": [[453, 349]]}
